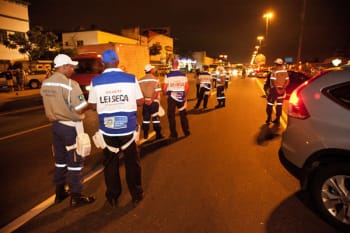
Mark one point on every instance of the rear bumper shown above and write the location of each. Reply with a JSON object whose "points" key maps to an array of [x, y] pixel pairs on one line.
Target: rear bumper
{"points": [[294, 170]]}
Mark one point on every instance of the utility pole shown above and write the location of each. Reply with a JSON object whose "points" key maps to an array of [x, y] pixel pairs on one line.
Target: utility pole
{"points": [[301, 32]]}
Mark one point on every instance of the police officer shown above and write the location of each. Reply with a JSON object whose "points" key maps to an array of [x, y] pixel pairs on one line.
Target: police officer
{"points": [[115, 95], [150, 88], [64, 103], [205, 84], [176, 88], [220, 87], [278, 82]]}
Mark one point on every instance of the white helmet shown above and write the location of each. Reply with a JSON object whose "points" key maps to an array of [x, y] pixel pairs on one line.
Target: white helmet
{"points": [[278, 61]]}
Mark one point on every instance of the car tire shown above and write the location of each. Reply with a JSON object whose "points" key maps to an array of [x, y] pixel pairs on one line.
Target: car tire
{"points": [[330, 190], [34, 84]]}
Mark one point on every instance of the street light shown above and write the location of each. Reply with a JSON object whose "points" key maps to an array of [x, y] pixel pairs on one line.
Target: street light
{"points": [[260, 38], [223, 57], [267, 16]]}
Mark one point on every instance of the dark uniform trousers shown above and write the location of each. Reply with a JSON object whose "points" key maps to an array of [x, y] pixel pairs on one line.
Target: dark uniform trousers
{"points": [[271, 99], [147, 112], [68, 164], [132, 167], [172, 105], [202, 96], [220, 95]]}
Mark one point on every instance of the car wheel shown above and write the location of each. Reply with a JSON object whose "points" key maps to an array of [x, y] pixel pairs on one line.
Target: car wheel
{"points": [[330, 190], [34, 84]]}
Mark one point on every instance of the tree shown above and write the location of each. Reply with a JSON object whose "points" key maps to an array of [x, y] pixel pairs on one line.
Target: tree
{"points": [[35, 43]]}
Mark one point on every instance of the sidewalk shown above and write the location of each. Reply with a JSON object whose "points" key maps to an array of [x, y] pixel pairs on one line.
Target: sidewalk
{"points": [[10, 101]]}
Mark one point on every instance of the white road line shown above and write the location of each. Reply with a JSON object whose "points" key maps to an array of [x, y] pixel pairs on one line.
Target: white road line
{"points": [[24, 132]]}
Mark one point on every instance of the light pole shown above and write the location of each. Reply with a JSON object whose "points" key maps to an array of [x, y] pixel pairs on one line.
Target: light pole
{"points": [[268, 16], [224, 58], [260, 38], [257, 48], [301, 32]]}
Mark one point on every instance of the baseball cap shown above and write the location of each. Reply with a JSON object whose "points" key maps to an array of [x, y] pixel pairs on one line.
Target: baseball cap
{"points": [[110, 56], [148, 67], [278, 61], [63, 59]]}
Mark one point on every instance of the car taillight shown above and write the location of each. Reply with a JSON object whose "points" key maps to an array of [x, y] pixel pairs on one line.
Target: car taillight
{"points": [[296, 106]]}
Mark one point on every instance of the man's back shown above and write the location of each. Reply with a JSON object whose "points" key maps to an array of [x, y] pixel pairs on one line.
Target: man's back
{"points": [[115, 93]]}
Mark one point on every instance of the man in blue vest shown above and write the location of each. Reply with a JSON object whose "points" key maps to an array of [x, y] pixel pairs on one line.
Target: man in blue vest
{"points": [[115, 96], [176, 88]]}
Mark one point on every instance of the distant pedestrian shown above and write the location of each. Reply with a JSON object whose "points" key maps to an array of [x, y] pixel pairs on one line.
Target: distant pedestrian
{"points": [[9, 80], [205, 85], [227, 79], [176, 89], [279, 80], [197, 82], [244, 72], [150, 88], [64, 104], [220, 87], [115, 96], [20, 79]]}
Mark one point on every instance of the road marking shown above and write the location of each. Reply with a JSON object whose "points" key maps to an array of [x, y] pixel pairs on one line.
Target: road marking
{"points": [[18, 222], [21, 110], [24, 132]]}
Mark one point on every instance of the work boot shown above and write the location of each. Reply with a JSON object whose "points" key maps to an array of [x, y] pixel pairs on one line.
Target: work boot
{"points": [[80, 199], [112, 202], [276, 121], [61, 194], [159, 136], [268, 120], [138, 198]]}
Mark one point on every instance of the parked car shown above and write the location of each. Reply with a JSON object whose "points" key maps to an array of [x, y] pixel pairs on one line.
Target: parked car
{"points": [[316, 143], [3, 81], [296, 78], [262, 73], [34, 79]]}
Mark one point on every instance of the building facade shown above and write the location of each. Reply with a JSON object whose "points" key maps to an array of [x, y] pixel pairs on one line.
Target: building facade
{"points": [[13, 18], [93, 37]]}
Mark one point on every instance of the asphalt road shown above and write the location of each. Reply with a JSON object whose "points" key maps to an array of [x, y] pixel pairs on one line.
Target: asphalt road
{"points": [[224, 177]]}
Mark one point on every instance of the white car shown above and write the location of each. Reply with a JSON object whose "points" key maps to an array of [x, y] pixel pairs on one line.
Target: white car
{"points": [[316, 143], [35, 78]]}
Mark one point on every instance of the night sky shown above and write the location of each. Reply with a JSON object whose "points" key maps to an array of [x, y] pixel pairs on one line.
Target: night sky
{"points": [[220, 27]]}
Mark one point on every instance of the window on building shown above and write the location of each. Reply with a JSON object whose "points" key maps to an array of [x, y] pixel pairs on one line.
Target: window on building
{"points": [[80, 42], [3, 36]]}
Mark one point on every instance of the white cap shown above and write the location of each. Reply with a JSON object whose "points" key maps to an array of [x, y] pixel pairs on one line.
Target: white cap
{"points": [[63, 59], [278, 61], [148, 67]]}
